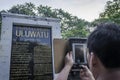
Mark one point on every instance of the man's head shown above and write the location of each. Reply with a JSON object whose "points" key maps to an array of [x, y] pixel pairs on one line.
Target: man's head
{"points": [[104, 43]]}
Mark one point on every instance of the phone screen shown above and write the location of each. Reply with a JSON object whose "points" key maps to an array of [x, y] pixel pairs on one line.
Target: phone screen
{"points": [[79, 53]]}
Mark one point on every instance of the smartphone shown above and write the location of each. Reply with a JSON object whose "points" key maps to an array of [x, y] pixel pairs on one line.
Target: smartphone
{"points": [[79, 53]]}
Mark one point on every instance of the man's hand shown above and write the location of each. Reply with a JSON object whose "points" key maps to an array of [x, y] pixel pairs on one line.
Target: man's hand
{"points": [[85, 74], [63, 75], [69, 59]]}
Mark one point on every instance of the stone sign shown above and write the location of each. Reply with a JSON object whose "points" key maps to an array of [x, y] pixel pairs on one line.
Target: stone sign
{"points": [[27, 47]]}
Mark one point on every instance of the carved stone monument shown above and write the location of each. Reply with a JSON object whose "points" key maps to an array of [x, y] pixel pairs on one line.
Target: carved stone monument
{"points": [[26, 47]]}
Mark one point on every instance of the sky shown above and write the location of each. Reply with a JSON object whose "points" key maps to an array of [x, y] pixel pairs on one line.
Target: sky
{"points": [[84, 9]]}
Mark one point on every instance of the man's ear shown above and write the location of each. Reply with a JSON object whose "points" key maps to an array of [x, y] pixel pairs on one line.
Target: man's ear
{"points": [[93, 60]]}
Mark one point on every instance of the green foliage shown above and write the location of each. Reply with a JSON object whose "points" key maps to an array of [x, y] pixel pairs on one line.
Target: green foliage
{"points": [[99, 21], [71, 26], [27, 9], [112, 11], [46, 11]]}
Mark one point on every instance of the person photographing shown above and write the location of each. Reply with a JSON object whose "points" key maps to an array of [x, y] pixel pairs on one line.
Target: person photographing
{"points": [[103, 55]]}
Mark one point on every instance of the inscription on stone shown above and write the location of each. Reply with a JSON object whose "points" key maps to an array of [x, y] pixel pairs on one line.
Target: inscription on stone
{"points": [[31, 56]]}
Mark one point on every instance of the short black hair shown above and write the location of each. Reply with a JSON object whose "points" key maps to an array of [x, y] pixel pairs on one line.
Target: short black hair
{"points": [[104, 42]]}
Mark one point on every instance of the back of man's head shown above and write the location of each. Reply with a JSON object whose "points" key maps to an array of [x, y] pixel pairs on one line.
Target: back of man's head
{"points": [[104, 42]]}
